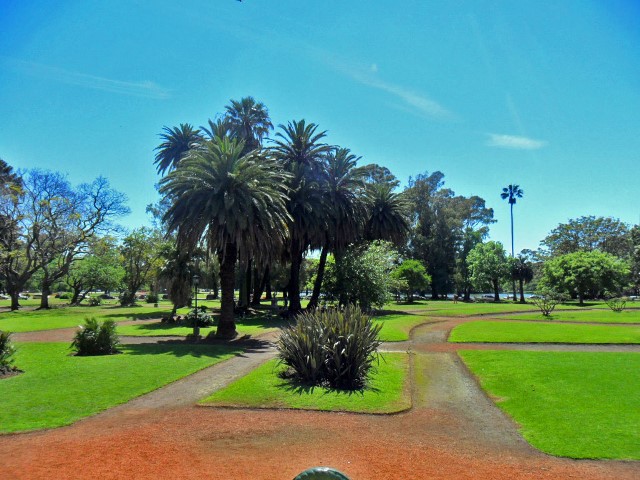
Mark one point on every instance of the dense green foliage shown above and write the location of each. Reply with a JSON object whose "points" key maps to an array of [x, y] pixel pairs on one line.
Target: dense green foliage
{"points": [[263, 388], [585, 274], [579, 405], [335, 348], [489, 266], [414, 276], [95, 338]]}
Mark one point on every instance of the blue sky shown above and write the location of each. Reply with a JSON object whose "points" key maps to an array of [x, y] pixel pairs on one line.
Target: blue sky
{"points": [[544, 94]]}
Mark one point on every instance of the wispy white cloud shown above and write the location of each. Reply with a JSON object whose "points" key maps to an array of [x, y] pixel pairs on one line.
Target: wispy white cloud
{"points": [[416, 101], [143, 88], [513, 141]]}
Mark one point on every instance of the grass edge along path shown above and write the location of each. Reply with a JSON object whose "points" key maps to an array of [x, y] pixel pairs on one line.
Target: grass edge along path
{"points": [[58, 388], [568, 404], [388, 391], [543, 332]]}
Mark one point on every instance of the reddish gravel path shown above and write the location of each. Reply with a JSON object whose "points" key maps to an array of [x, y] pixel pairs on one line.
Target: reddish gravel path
{"points": [[453, 431]]}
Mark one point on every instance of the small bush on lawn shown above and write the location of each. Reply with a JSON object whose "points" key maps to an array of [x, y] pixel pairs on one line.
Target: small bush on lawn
{"points": [[334, 348], [547, 302], [616, 304], [6, 353], [95, 301], [95, 338], [204, 320], [152, 298]]}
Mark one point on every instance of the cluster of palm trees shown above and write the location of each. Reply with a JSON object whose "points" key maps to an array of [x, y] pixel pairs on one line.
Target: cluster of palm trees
{"points": [[254, 205]]}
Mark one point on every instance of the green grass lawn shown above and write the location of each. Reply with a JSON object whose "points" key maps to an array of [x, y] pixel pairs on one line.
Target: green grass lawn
{"points": [[388, 391], [57, 388], [65, 317], [396, 327], [570, 404], [448, 308], [538, 332], [250, 325], [596, 316]]}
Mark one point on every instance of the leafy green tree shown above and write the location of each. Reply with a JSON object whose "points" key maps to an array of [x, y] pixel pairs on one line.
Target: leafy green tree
{"points": [[439, 222], [48, 224], [177, 142], [415, 277], [522, 272], [366, 275], [99, 269], [489, 266], [635, 258], [235, 202], [141, 259], [589, 233], [586, 274]]}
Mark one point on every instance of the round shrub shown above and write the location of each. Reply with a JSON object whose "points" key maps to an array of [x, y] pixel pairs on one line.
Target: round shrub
{"points": [[335, 348], [95, 338], [152, 298], [204, 320]]}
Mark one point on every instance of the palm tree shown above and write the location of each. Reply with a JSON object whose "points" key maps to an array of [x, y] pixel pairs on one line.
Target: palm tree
{"points": [[388, 217], [299, 149], [511, 193], [177, 142], [346, 208], [249, 121], [235, 202]]}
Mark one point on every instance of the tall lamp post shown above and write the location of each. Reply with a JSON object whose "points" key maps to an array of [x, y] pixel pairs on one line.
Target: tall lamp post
{"points": [[196, 323]]}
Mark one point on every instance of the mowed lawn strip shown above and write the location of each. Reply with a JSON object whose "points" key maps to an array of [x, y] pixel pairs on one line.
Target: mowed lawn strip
{"points": [[594, 316], [538, 332], [570, 404], [397, 327], [388, 391], [58, 388]]}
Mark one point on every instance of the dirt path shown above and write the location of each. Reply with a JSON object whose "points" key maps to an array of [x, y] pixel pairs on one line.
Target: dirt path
{"points": [[453, 431]]}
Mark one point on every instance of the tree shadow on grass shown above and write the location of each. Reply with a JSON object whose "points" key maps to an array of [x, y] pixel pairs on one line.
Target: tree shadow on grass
{"points": [[138, 316], [386, 313], [241, 346], [181, 349]]}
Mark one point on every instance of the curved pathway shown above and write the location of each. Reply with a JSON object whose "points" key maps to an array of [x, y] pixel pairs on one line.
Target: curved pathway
{"points": [[453, 431]]}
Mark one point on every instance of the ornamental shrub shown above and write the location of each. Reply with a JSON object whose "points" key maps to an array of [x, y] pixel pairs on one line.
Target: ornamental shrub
{"points": [[7, 350], [152, 298], [95, 338], [334, 348], [95, 301], [204, 320]]}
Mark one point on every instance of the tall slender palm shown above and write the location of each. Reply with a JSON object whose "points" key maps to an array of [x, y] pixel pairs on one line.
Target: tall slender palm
{"points": [[237, 203], [346, 208], [512, 193], [299, 149], [177, 142]]}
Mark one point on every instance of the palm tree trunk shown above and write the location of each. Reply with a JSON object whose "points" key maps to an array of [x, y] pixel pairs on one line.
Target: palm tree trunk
{"points": [[496, 290], [521, 291], [226, 324], [313, 303], [294, 282], [513, 254]]}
